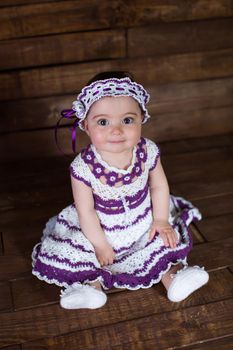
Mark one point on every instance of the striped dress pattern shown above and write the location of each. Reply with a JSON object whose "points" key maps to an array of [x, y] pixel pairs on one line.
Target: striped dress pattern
{"points": [[123, 205]]}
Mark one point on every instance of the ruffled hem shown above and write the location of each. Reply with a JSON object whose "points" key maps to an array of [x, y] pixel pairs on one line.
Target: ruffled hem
{"points": [[157, 260], [101, 280], [107, 278]]}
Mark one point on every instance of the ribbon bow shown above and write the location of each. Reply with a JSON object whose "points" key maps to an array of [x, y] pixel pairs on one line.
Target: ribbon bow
{"points": [[68, 114]]}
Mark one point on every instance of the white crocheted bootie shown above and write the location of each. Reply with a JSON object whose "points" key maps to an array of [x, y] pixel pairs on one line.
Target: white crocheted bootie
{"points": [[186, 281], [82, 296]]}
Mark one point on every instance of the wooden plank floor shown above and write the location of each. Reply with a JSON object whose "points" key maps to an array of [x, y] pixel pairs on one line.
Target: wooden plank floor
{"points": [[30, 318]]}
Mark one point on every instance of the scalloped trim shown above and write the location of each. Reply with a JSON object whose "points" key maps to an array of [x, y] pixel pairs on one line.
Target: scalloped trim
{"points": [[112, 168], [115, 284]]}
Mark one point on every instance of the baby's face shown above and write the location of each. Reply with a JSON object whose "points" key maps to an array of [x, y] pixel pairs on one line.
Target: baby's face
{"points": [[114, 124]]}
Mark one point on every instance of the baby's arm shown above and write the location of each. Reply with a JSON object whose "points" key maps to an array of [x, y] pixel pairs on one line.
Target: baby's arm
{"points": [[160, 197], [89, 221]]}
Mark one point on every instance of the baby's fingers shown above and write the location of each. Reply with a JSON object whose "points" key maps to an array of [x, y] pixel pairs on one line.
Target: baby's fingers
{"points": [[172, 239], [164, 237], [168, 237]]}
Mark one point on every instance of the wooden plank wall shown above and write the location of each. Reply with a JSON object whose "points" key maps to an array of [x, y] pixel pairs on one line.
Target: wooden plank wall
{"points": [[180, 50]]}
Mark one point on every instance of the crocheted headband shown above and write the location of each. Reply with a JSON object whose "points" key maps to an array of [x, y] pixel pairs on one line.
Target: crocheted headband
{"points": [[102, 88]]}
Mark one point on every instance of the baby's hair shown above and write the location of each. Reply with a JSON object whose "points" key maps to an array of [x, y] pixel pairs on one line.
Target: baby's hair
{"points": [[111, 74]]}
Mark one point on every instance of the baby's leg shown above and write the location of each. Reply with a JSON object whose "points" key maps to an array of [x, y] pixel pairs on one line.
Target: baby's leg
{"points": [[168, 276], [96, 285]]}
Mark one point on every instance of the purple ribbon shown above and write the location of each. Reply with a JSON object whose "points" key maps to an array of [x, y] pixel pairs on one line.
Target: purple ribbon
{"points": [[68, 114]]}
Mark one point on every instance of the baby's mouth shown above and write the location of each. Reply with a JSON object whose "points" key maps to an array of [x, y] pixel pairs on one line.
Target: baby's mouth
{"points": [[116, 141]]}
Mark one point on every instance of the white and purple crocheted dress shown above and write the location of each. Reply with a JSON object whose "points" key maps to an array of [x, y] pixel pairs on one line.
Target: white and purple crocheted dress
{"points": [[123, 205]]}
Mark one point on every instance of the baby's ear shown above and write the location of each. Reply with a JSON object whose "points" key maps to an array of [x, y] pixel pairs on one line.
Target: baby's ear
{"points": [[85, 126]]}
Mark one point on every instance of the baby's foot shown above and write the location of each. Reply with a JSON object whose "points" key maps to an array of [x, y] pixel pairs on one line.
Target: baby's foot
{"points": [[79, 296], [186, 281]]}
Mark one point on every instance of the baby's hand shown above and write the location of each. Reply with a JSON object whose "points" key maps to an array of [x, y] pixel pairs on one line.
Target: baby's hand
{"points": [[167, 233], [105, 254]]}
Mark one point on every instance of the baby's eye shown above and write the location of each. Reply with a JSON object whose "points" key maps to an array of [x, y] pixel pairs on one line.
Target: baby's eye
{"points": [[128, 120], [102, 122]]}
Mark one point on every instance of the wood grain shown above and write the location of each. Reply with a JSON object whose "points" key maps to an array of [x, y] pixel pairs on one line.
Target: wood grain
{"points": [[196, 191], [148, 12], [170, 38], [21, 240], [211, 254], [153, 301], [16, 221], [66, 48], [36, 197], [35, 293], [190, 96], [200, 167], [178, 125], [1, 244], [56, 17], [216, 205], [197, 144], [211, 320], [5, 3], [38, 172], [196, 235], [224, 343], [66, 16], [43, 142], [5, 297], [160, 70], [216, 228], [15, 265], [13, 347]]}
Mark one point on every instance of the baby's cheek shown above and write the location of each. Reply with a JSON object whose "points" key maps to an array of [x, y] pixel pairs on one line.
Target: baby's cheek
{"points": [[96, 138]]}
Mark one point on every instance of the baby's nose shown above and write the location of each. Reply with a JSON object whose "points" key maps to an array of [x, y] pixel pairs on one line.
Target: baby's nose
{"points": [[116, 129]]}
